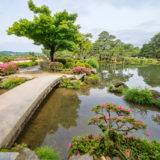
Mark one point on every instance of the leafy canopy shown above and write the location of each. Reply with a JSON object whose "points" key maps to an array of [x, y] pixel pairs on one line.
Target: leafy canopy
{"points": [[55, 32]]}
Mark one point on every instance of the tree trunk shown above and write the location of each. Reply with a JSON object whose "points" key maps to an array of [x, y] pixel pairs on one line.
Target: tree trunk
{"points": [[52, 54]]}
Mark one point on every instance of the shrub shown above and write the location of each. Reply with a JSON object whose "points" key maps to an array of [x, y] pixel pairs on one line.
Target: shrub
{"points": [[68, 59], [158, 102], [95, 144], [55, 65], [88, 65], [5, 59], [23, 59], [93, 62], [46, 153], [111, 86], [82, 70], [13, 82], [26, 64], [120, 90], [139, 96], [61, 60], [70, 84], [69, 65], [94, 79], [79, 64], [8, 68], [115, 122]]}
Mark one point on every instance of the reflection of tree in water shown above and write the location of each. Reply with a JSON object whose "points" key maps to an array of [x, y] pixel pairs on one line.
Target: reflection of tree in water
{"points": [[59, 109], [156, 118], [151, 75], [112, 73]]}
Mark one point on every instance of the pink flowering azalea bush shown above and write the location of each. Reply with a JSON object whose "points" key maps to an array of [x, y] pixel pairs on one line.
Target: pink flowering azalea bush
{"points": [[116, 124], [82, 70], [55, 65], [8, 68]]}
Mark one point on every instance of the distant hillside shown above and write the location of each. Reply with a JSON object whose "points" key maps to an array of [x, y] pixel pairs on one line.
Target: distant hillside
{"points": [[17, 54]]}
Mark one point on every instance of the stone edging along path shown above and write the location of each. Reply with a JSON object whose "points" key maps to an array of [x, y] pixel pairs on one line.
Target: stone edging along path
{"points": [[19, 104]]}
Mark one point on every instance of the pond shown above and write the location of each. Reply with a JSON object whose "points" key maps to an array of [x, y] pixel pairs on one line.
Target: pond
{"points": [[65, 113]]}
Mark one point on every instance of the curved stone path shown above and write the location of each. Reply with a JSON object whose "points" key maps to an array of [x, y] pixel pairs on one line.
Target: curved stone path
{"points": [[19, 104]]}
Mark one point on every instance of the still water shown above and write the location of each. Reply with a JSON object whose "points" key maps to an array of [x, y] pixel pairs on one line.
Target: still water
{"points": [[65, 113]]}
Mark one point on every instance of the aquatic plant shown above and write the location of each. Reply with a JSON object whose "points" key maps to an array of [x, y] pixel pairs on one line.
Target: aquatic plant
{"points": [[8, 68], [138, 96], [46, 153], [13, 82], [93, 62]]}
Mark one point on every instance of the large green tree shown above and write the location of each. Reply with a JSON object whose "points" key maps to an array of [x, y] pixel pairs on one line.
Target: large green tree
{"points": [[57, 32], [84, 45], [152, 48]]}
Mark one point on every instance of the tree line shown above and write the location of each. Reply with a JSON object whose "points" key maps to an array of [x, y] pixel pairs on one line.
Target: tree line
{"points": [[58, 34]]}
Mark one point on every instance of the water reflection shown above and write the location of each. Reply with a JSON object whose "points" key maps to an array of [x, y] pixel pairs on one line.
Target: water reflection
{"points": [[60, 110], [156, 118], [151, 75], [112, 73]]}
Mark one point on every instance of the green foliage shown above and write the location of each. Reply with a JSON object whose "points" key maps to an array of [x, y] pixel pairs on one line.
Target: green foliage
{"points": [[5, 59], [120, 89], [57, 32], [111, 86], [158, 102], [93, 79], [61, 60], [139, 96], [69, 65], [93, 62], [70, 84], [83, 64], [84, 45], [26, 64], [13, 82], [46, 153], [142, 148], [55, 65], [151, 49], [115, 122], [18, 147], [95, 144]]}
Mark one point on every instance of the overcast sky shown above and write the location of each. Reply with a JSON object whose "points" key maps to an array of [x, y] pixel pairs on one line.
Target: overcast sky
{"points": [[132, 21]]}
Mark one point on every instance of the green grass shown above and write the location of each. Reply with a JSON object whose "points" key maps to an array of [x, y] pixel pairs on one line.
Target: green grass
{"points": [[13, 82], [135, 95], [46, 153]]}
